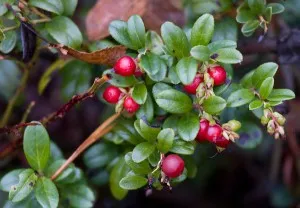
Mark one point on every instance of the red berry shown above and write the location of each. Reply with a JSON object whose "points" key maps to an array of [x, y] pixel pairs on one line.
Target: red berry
{"points": [[221, 142], [172, 166], [112, 94], [202, 133], [218, 74], [125, 66], [214, 132], [191, 88], [138, 72], [130, 105]]}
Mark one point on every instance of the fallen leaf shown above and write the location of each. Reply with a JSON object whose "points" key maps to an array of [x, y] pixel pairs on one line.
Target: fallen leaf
{"points": [[107, 56], [153, 12]]}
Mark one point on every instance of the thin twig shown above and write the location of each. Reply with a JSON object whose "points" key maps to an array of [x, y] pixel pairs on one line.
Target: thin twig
{"points": [[100, 131], [28, 110]]}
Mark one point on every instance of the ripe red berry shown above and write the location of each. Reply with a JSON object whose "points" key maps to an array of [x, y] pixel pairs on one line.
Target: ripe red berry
{"points": [[125, 66], [172, 166], [218, 74], [191, 88], [221, 142], [112, 94], [130, 105], [214, 132], [202, 133]]}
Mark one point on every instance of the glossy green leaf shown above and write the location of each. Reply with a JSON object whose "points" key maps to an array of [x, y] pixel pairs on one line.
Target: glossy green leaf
{"points": [[255, 104], [276, 8], [173, 101], [266, 87], [119, 171], [214, 105], [139, 93], [65, 176], [154, 66], [263, 72], [154, 158], [200, 52], [125, 130], [165, 140], [188, 126], [240, 97], [246, 81], [228, 56], [119, 31], [46, 193], [79, 195], [175, 40], [133, 182], [182, 147], [120, 81], [186, 70], [159, 87], [172, 75], [172, 122], [138, 168], [257, 6], [142, 151], [69, 6], [54, 6], [9, 42], [10, 76], [136, 31], [36, 146], [244, 16], [268, 14], [154, 42], [250, 26], [214, 46], [27, 181], [147, 132], [281, 95], [226, 29], [146, 111], [202, 30], [9, 179]]}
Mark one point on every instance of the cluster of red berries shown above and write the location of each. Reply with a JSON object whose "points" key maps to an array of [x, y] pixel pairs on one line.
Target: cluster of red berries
{"points": [[125, 66], [217, 73], [212, 133]]}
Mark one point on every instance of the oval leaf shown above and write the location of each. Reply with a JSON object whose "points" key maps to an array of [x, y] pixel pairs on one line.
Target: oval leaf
{"points": [[188, 127], [165, 140], [10, 179], [200, 52], [202, 30], [142, 151], [266, 87], [281, 95], [186, 70], [182, 147], [255, 104], [46, 193], [139, 93], [133, 182], [138, 168], [240, 97], [214, 105], [229, 56], [263, 72], [136, 31]]}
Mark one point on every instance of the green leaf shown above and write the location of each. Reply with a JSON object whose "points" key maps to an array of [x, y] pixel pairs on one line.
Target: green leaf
{"points": [[276, 8], [175, 40], [139, 93], [244, 16], [214, 105], [133, 182], [142, 151], [136, 31], [65, 176], [54, 6], [255, 104], [257, 6], [165, 140], [229, 56], [154, 42], [139, 168], [120, 81], [69, 6], [36, 146], [240, 97], [281, 95], [200, 52], [146, 111], [9, 41], [154, 158], [46, 193], [154, 66], [182, 147], [202, 30], [226, 29], [55, 152], [214, 46], [268, 14], [250, 136], [246, 81], [119, 171], [64, 31], [9, 179], [174, 101], [171, 122], [186, 70], [125, 130], [147, 132], [263, 72], [76, 77], [159, 87], [118, 30], [250, 26], [188, 127], [173, 77], [79, 195], [27, 180], [266, 87]]}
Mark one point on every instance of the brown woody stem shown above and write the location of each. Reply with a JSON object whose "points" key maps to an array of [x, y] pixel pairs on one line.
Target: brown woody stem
{"points": [[100, 131]]}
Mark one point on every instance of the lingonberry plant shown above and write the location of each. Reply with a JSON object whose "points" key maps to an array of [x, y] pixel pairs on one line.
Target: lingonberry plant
{"points": [[171, 93]]}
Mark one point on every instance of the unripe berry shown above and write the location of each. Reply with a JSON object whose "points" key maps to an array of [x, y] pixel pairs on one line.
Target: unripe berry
{"points": [[172, 166], [214, 132], [125, 66], [221, 142], [218, 74], [202, 133], [191, 88], [234, 125], [112, 94], [130, 105]]}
